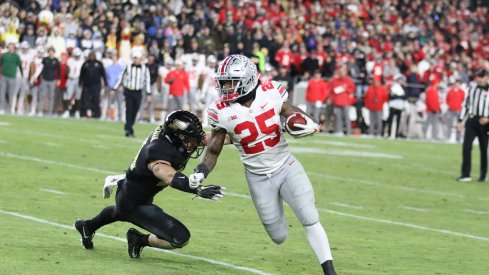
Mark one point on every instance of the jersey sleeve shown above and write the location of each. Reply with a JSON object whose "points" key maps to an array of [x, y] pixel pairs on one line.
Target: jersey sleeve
{"points": [[284, 94], [214, 115]]}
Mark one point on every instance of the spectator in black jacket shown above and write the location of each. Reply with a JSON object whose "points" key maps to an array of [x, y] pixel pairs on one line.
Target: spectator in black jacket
{"points": [[49, 75], [91, 75]]}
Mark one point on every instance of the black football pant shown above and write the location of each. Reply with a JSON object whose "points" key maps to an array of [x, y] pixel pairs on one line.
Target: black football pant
{"points": [[90, 97], [145, 215], [474, 129], [133, 102]]}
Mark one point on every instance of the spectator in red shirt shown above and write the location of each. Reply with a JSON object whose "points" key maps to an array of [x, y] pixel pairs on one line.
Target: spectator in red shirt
{"points": [[316, 93], [375, 98], [433, 110], [455, 97], [284, 57], [179, 84], [61, 84], [342, 90]]}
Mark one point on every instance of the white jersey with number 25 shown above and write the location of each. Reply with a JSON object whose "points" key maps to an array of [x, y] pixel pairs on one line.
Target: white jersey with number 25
{"points": [[255, 130]]}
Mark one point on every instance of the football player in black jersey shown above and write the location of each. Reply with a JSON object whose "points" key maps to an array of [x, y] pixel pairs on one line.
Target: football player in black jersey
{"points": [[157, 165]]}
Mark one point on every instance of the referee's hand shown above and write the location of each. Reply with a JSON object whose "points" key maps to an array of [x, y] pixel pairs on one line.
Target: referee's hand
{"points": [[460, 126], [484, 120]]}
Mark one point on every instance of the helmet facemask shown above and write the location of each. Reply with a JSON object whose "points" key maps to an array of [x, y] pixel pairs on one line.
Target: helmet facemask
{"points": [[229, 89]]}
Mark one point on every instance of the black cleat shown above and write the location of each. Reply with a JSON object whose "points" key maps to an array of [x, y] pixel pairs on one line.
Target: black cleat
{"points": [[134, 246], [86, 235]]}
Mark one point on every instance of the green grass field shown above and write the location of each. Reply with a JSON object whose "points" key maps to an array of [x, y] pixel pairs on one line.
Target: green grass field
{"points": [[389, 207]]}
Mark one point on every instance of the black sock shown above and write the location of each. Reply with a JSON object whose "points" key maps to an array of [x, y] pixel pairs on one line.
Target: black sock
{"points": [[328, 268], [144, 240], [106, 216]]}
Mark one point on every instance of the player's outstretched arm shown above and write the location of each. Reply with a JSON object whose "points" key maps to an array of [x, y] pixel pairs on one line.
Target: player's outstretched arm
{"points": [[215, 143], [167, 174]]}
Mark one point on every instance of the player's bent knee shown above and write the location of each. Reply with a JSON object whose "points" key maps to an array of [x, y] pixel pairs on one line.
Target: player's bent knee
{"points": [[179, 245], [180, 239], [277, 231], [279, 238]]}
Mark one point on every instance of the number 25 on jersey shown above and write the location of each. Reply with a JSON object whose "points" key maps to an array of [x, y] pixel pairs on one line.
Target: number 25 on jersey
{"points": [[272, 132]]}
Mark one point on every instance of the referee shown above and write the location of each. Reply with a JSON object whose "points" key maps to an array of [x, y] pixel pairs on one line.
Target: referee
{"points": [[134, 79], [476, 108]]}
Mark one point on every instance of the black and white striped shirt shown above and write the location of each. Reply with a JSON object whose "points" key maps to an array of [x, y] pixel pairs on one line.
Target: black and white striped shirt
{"points": [[476, 102], [135, 78]]}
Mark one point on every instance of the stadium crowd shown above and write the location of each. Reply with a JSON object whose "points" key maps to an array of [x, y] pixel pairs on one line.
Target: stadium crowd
{"points": [[366, 64]]}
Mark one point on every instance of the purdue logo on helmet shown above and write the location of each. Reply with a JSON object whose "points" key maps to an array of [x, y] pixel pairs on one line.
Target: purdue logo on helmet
{"points": [[236, 77], [185, 131]]}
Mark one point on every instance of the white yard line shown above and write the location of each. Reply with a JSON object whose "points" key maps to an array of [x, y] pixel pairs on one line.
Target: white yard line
{"points": [[419, 227], [415, 208], [45, 161], [3, 123], [51, 144], [346, 205], [343, 153], [477, 211], [53, 191], [443, 231], [211, 261], [373, 183]]}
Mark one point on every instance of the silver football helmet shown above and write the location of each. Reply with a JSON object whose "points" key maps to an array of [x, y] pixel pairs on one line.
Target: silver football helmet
{"points": [[236, 77]]}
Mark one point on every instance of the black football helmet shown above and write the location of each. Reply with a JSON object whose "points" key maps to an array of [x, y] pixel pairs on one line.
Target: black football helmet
{"points": [[185, 132]]}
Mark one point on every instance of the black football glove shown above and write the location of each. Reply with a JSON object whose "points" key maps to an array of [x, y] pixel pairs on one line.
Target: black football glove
{"points": [[210, 192]]}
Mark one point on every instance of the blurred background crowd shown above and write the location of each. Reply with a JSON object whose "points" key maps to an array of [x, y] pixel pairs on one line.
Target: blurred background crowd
{"points": [[392, 68]]}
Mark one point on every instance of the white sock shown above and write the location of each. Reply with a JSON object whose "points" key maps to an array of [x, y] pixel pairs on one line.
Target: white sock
{"points": [[318, 240]]}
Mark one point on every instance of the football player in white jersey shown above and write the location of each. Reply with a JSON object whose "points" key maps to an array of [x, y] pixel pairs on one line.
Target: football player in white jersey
{"points": [[26, 57], [194, 69], [249, 111], [71, 99], [209, 93], [35, 81]]}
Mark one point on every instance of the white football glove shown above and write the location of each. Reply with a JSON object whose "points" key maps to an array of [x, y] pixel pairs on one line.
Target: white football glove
{"points": [[195, 179], [308, 129], [109, 184]]}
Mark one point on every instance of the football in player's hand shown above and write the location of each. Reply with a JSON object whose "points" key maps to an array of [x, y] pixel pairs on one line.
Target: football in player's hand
{"points": [[295, 118]]}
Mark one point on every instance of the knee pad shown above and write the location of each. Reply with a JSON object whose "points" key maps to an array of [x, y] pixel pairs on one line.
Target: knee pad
{"points": [[277, 231], [308, 215]]}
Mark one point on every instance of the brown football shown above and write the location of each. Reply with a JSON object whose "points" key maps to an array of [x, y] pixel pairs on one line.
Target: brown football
{"points": [[296, 118]]}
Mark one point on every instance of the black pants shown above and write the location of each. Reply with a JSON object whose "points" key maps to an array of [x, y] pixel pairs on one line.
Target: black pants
{"points": [[143, 214], [474, 129], [133, 102], [90, 97], [393, 112]]}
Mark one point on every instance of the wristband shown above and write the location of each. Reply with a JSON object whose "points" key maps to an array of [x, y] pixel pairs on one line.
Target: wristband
{"points": [[202, 168], [180, 182]]}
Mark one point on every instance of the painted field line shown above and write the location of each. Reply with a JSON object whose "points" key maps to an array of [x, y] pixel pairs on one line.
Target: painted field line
{"points": [[403, 224], [477, 211], [211, 261], [373, 183], [51, 144], [53, 191], [45, 161], [241, 196], [414, 208], [337, 203], [419, 227]]}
